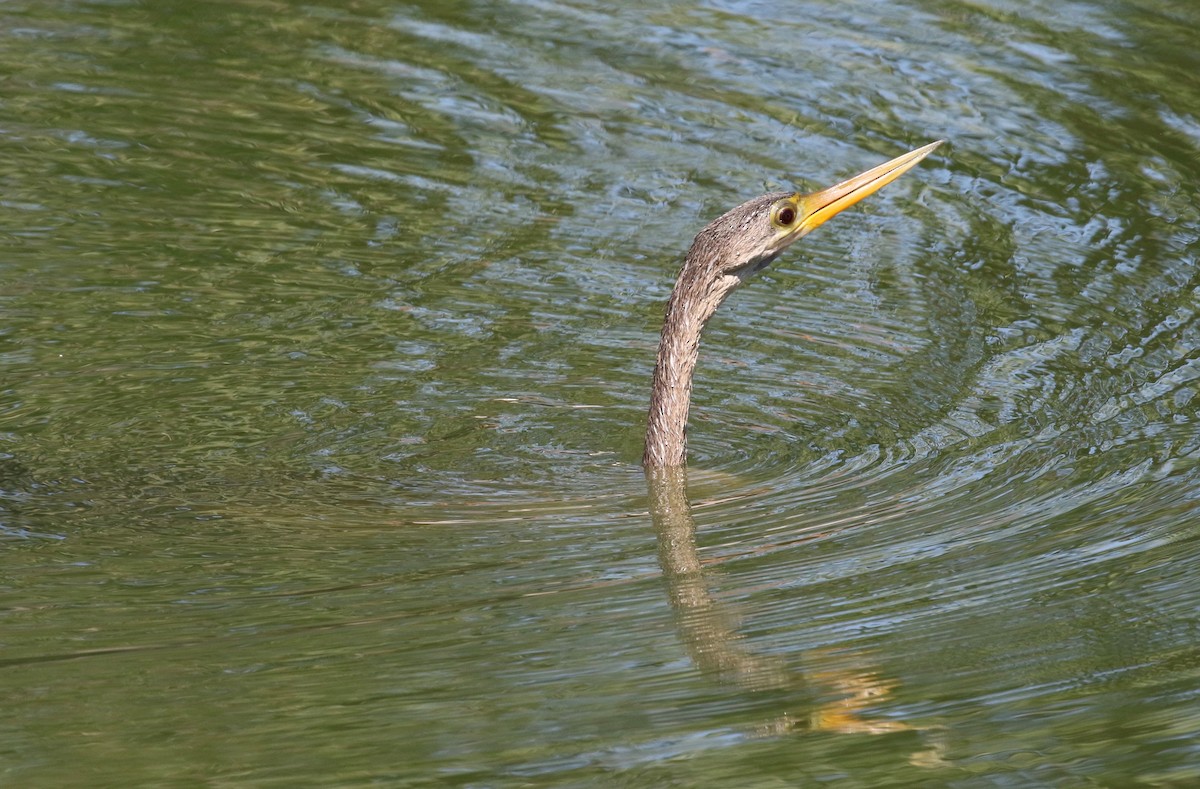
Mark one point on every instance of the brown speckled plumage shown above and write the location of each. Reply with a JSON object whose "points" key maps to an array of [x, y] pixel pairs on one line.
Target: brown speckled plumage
{"points": [[723, 255]]}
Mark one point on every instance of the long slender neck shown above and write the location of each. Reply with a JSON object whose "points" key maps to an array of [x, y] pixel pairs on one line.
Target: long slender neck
{"points": [[671, 391]]}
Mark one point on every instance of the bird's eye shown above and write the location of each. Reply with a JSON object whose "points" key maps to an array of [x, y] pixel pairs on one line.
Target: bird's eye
{"points": [[783, 215]]}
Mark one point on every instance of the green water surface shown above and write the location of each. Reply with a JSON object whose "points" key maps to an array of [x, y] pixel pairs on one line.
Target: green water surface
{"points": [[326, 332]]}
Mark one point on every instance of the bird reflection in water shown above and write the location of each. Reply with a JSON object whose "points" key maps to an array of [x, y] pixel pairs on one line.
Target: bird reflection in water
{"points": [[727, 252], [709, 630]]}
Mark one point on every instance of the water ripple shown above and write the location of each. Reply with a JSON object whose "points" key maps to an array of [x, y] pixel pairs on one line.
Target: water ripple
{"points": [[326, 341]]}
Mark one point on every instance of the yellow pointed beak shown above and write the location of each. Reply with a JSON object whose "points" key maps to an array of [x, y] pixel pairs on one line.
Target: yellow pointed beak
{"points": [[817, 208]]}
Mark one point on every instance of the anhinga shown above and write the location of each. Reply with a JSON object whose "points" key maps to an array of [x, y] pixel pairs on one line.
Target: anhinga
{"points": [[724, 255]]}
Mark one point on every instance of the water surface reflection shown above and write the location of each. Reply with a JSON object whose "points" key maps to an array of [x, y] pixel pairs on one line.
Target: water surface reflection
{"points": [[710, 632]]}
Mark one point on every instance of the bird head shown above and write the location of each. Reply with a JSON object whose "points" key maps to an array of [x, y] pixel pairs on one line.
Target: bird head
{"points": [[745, 240]]}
